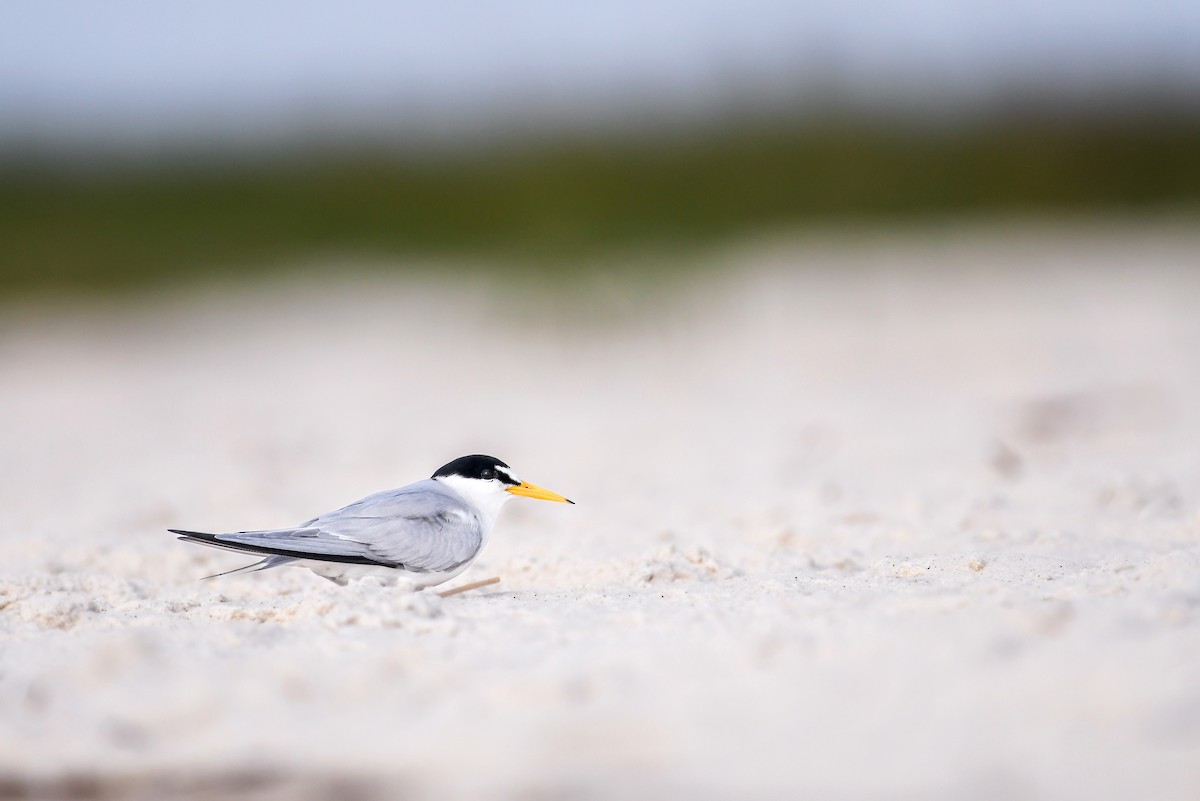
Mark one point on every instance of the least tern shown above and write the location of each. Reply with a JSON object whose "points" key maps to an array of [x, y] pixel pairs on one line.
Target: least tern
{"points": [[427, 532]]}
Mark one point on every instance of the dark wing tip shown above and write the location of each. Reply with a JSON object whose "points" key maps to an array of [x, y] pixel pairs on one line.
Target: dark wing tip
{"points": [[245, 547]]}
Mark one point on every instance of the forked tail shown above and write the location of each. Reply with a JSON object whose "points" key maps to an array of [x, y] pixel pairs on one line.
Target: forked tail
{"points": [[274, 560]]}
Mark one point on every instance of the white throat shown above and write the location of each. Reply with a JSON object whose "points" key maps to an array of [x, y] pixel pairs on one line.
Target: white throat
{"points": [[488, 497]]}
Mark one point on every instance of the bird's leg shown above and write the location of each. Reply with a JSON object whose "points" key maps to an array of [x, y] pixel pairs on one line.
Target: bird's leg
{"points": [[474, 585]]}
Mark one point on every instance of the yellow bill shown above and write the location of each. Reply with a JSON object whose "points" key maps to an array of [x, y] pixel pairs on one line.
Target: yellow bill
{"points": [[533, 491]]}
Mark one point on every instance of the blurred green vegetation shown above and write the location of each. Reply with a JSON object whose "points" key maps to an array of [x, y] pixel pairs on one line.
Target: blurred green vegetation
{"points": [[560, 205]]}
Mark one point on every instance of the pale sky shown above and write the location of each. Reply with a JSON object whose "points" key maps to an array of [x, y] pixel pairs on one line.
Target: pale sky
{"points": [[135, 66]]}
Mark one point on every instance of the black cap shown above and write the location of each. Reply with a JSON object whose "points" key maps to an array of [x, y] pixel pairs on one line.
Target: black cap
{"points": [[477, 466]]}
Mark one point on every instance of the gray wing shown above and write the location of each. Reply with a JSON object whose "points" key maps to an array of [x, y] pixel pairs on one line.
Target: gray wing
{"points": [[423, 527]]}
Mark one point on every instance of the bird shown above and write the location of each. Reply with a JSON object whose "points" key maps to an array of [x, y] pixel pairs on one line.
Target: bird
{"points": [[424, 533]]}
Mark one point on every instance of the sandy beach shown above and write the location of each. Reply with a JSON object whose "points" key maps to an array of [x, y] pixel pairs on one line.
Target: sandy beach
{"points": [[908, 515]]}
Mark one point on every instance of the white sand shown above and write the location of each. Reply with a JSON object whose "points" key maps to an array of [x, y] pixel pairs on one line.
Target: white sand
{"points": [[911, 517]]}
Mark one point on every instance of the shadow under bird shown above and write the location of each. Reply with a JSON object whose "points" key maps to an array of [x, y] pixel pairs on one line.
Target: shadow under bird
{"points": [[426, 532]]}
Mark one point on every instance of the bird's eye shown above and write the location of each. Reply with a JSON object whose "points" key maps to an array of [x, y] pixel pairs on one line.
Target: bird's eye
{"points": [[488, 475]]}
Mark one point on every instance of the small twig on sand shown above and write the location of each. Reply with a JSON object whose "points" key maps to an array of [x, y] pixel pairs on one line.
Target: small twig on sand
{"points": [[474, 585]]}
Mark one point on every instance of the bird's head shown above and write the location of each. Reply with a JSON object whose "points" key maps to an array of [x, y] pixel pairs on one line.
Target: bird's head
{"points": [[489, 483]]}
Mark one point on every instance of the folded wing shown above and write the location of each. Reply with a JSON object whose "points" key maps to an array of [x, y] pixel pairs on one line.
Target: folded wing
{"points": [[421, 528]]}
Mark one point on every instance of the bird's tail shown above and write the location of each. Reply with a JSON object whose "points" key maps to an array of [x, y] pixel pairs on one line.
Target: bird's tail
{"points": [[264, 564], [274, 560]]}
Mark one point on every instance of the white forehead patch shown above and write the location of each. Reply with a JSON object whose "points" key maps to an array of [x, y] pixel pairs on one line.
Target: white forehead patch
{"points": [[507, 471]]}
